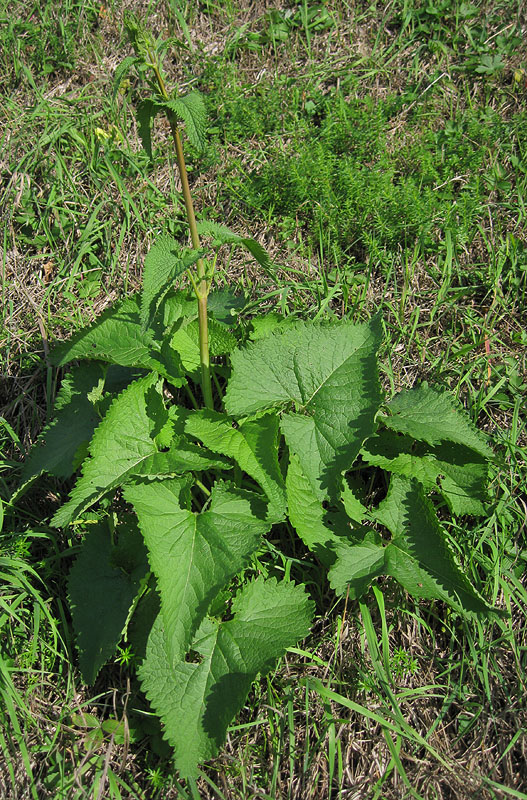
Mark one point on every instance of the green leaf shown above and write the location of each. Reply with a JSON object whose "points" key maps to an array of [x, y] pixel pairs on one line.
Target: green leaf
{"points": [[263, 326], [253, 445], [164, 262], [176, 306], [330, 375], [403, 455], [117, 337], [85, 720], [221, 340], [224, 305], [223, 235], [434, 417], [75, 420], [129, 553], [101, 594], [357, 565], [193, 555], [352, 505], [197, 701], [464, 479], [180, 457], [419, 555], [457, 471], [123, 68], [353, 552], [141, 622], [191, 110], [145, 113], [308, 516], [116, 729], [185, 341], [123, 440]]}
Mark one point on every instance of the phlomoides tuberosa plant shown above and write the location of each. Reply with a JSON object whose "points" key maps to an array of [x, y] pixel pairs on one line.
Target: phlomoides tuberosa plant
{"points": [[176, 498]]}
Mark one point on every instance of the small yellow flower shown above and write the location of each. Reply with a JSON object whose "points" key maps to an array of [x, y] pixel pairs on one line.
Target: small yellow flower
{"points": [[111, 133], [101, 134]]}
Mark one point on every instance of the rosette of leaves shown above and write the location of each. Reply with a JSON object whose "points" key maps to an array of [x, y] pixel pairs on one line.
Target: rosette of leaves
{"points": [[184, 496]]}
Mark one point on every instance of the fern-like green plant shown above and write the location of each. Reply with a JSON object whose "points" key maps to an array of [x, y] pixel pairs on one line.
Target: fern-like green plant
{"points": [[174, 499]]}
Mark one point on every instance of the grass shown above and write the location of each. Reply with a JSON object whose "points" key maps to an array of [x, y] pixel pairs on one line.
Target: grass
{"points": [[379, 152]]}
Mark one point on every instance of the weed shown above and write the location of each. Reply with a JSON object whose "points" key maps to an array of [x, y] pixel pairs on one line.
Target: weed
{"points": [[452, 300], [352, 473]]}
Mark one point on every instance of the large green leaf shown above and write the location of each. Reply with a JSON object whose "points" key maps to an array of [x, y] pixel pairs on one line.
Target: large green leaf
{"points": [[432, 416], [464, 479], [164, 262], [102, 585], [117, 337], [197, 701], [254, 445], [329, 374], [123, 441], [194, 555], [419, 555], [356, 511], [459, 472], [354, 553], [75, 420]]}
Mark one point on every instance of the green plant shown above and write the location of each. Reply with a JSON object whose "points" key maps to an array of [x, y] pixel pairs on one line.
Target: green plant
{"points": [[174, 500]]}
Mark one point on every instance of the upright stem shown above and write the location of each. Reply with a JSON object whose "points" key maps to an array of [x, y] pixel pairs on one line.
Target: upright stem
{"points": [[202, 290]]}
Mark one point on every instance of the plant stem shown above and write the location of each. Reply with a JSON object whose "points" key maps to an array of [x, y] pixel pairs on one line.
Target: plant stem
{"points": [[201, 287]]}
